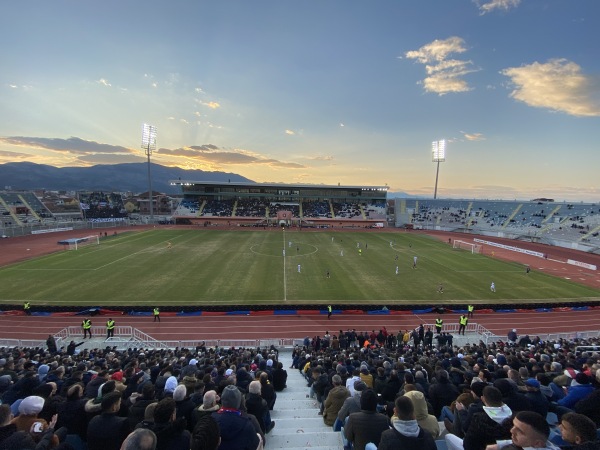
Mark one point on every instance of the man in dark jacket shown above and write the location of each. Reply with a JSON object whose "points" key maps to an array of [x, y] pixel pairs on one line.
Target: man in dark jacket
{"points": [[539, 402], [258, 407], [367, 425], [442, 393], [462, 415], [405, 432], [170, 431], [237, 431], [139, 403], [486, 427], [279, 378], [107, 431]]}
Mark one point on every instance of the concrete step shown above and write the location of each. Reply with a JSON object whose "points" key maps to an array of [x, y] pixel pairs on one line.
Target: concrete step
{"points": [[295, 423], [304, 413], [303, 439]]}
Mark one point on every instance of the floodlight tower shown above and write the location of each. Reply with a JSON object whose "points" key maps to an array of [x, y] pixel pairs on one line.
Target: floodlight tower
{"points": [[149, 145], [438, 154]]}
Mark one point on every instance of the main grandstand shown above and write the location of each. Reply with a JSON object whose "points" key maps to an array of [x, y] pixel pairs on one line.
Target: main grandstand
{"points": [[262, 204]]}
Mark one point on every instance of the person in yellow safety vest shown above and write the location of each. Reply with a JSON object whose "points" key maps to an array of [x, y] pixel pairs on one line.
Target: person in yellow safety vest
{"points": [[27, 308], [439, 322], [329, 310], [156, 314], [470, 310], [110, 328], [462, 324], [87, 327]]}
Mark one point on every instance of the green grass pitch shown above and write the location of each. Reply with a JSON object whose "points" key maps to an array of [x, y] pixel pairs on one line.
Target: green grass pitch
{"points": [[211, 267]]}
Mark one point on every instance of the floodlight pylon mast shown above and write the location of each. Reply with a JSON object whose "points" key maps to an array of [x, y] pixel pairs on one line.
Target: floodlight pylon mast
{"points": [[149, 144], [438, 150]]}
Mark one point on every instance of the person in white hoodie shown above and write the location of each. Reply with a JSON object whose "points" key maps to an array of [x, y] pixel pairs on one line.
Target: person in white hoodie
{"points": [[405, 432], [486, 427]]}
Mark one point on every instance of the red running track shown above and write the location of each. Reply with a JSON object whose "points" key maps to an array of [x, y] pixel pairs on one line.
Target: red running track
{"points": [[273, 327]]}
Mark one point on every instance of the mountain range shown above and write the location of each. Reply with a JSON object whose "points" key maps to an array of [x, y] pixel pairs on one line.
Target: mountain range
{"points": [[107, 177]]}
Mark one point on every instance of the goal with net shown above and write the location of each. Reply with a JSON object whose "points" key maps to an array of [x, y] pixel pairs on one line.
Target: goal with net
{"points": [[462, 245], [77, 243]]}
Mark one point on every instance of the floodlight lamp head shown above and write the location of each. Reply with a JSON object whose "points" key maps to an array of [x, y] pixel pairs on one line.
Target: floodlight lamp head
{"points": [[148, 137], [438, 151]]}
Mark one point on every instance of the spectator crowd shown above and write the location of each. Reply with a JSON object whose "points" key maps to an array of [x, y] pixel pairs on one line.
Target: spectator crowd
{"points": [[400, 391], [104, 399]]}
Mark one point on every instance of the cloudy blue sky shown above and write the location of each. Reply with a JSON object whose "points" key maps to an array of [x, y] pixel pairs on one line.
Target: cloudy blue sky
{"points": [[313, 91]]}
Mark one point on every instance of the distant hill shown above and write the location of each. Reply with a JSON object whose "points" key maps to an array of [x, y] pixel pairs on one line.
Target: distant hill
{"points": [[116, 177]]}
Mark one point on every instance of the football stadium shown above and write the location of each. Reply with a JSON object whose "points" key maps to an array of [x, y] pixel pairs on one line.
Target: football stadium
{"points": [[278, 266]]}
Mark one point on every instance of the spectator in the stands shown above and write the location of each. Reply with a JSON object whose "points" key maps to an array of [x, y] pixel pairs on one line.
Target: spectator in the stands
{"points": [[426, 421], [107, 431], [235, 429], [334, 401], [405, 432], [258, 407], [367, 425], [267, 392], [579, 432], [442, 392], [352, 404], [206, 435], [140, 439], [170, 431], [279, 378], [539, 402], [486, 427]]}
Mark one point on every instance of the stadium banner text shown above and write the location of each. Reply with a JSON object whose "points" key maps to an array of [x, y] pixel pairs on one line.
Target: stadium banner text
{"points": [[582, 264]]}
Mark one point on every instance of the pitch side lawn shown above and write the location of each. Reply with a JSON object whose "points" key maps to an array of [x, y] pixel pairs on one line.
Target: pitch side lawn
{"points": [[211, 267]]}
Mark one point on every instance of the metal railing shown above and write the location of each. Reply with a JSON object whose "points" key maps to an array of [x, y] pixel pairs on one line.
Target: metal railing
{"points": [[127, 336]]}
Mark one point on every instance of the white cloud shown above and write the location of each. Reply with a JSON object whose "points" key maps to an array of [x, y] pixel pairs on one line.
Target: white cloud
{"points": [[289, 132], [497, 5], [558, 85], [104, 82], [444, 75], [473, 136]]}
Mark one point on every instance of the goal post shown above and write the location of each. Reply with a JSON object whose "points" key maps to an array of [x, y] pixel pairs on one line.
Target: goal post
{"points": [[77, 243], [463, 245]]}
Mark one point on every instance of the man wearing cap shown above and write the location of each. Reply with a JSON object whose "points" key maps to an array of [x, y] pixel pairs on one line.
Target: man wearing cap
{"points": [[237, 431], [539, 402]]}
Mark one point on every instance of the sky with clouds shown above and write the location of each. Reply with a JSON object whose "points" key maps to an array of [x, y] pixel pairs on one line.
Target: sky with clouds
{"points": [[316, 91]]}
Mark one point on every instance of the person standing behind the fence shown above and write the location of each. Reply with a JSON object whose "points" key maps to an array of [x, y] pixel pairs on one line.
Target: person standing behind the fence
{"points": [[27, 308], [156, 314], [110, 328], [462, 324], [86, 324]]}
